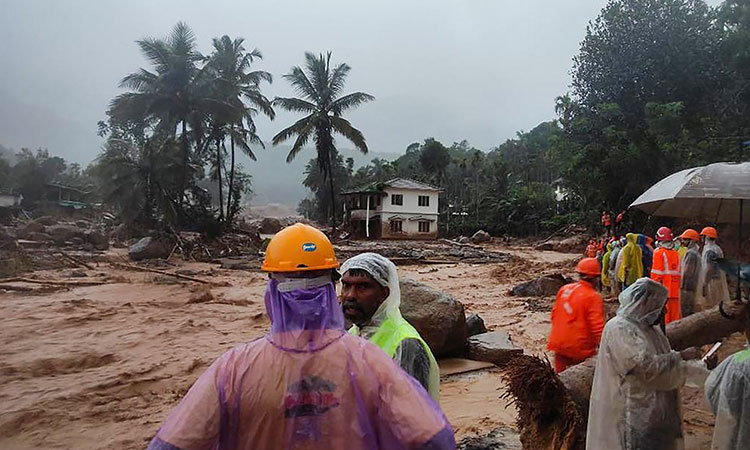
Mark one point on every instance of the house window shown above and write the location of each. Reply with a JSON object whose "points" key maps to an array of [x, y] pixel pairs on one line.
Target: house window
{"points": [[424, 226], [397, 226], [424, 200], [397, 199], [378, 200]]}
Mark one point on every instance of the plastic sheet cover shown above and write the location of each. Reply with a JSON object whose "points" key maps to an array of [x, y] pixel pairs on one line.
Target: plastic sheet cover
{"points": [[306, 385], [728, 394], [712, 281], [690, 266], [635, 402]]}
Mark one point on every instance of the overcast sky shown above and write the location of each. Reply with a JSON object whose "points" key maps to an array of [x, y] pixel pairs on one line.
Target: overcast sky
{"points": [[466, 69]]}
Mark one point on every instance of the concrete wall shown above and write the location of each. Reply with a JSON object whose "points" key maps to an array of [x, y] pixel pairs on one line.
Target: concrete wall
{"points": [[411, 202], [410, 228]]}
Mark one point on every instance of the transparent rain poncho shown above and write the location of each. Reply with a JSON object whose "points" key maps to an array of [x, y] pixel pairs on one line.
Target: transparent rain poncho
{"points": [[690, 266], [388, 329], [712, 281], [728, 393], [306, 385], [611, 268], [635, 402]]}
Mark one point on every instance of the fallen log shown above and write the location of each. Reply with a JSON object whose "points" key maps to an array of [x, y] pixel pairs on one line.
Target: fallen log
{"points": [[161, 272], [698, 329], [575, 384], [53, 282], [76, 261]]}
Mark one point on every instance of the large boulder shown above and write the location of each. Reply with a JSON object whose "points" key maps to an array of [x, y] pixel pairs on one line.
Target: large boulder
{"points": [[439, 318], [150, 248], [270, 225], [480, 236], [99, 240], [495, 347], [62, 233], [545, 286], [464, 240], [475, 325], [573, 244]]}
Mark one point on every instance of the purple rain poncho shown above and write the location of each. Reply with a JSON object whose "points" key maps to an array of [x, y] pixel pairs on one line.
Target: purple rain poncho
{"points": [[306, 385]]}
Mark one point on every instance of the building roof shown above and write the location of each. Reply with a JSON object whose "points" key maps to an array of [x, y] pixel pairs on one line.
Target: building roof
{"points": [[398, 183], [407, 183]]}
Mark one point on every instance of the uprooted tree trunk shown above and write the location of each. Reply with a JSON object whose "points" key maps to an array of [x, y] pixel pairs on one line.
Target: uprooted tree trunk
{"points": [[556, 428]]}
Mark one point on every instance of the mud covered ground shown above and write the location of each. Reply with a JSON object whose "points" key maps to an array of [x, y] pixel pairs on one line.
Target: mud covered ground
{"points": [[101, 366]]}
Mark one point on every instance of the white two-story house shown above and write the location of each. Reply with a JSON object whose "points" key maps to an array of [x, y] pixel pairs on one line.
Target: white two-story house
{"points": [[397, 209]]}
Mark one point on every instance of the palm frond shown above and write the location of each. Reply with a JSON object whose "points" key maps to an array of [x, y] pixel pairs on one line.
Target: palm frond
{"points": [[295, 129], [349, 101], [295, 105], [302, 84], [338, 79], [345, 128], [140, 81], [156, 52], [259, 100], [299, 144]]}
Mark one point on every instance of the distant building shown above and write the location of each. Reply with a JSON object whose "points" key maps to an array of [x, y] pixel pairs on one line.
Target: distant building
{"points": [[10, 200], [397, 209]]}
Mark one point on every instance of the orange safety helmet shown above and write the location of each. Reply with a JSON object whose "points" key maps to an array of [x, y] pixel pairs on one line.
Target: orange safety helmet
{"points": [[710, 232], [664, 234], [589, 266], [299, 248], [690, 234]]}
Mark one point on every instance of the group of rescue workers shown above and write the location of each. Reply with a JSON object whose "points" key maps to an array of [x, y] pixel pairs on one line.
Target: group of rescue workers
{"points": [[635, 400], [311, 384]]}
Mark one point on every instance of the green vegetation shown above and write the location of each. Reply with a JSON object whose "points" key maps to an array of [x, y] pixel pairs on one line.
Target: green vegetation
{"points": [[167, 136], [657, 86], [320, 86]]}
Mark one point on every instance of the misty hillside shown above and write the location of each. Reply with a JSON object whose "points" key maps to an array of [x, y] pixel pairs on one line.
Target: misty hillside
{"points": [[8, 155], [275, 181]]}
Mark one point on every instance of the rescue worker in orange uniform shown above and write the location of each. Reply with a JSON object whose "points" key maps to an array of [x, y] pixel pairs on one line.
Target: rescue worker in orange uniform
{"points": [[591, 249], [577, 318], [607, 222], [665, 269]]}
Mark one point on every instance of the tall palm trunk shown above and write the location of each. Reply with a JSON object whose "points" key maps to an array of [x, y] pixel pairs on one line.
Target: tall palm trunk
{"points": [[185, 154], [332, 191], [218, 175], [231, 181]]}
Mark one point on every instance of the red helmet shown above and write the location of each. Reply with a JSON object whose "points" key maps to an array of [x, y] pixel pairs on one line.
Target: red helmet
{"points": [[664, 234], [589, 266]]}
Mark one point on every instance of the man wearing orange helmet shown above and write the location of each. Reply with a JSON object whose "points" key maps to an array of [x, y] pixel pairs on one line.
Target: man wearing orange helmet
{"points": [[577, 318], [307, 383], [665, 269], [712, 281], [690, 267]]}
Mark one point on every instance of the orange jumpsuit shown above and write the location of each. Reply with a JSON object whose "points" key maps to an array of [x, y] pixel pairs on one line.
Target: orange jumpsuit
{"points": [[665, 269], [577, 324]]}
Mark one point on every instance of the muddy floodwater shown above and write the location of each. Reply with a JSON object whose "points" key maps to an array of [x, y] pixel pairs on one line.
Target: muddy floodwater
{"points": [[101, 366]]}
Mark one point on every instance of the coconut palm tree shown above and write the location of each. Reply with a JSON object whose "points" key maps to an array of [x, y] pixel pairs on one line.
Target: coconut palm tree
{"points": [[239, 88], [320, 87], [169, 96]]}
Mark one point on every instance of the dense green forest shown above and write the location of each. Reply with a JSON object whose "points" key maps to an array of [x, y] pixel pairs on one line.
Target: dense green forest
{"points": [[657, 86]]}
